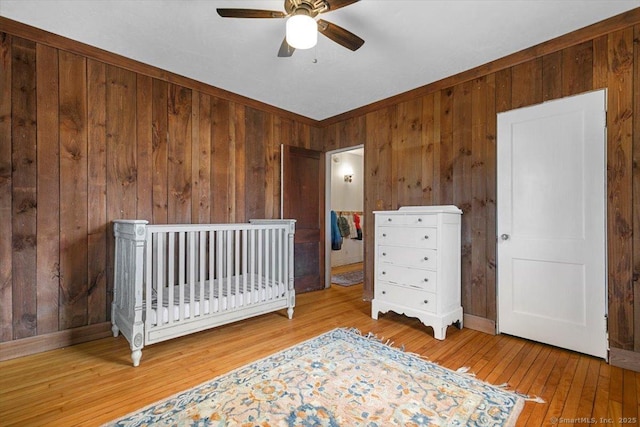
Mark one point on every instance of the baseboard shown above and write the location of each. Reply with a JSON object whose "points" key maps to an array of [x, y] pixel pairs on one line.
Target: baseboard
{"points": [[624, 359], [479, 324], [54, 340]]}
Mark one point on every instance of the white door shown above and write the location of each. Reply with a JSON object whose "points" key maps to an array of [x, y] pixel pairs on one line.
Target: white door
{"points": [[552, 281]]}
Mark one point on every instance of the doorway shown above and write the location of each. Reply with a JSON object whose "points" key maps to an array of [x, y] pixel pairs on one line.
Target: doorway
{"points": [[344, 196], [552, 281]]}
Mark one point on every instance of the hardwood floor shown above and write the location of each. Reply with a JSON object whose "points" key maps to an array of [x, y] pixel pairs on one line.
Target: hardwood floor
{"points": [[92, 383]]}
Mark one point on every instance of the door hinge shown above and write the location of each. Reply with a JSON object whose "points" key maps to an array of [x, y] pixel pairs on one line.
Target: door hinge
{"points": [[606, 323]]}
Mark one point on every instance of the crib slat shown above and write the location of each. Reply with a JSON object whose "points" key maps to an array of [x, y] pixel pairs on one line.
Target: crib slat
{"points": [[219, 272], [229, 269], [148, 296], [260, 261], [181, 273], [191, 272], [273, 264], [202, 245], [171, 274], [267, 245], [245, 270], [237, 298], [159, 283], [252, 258], [211, 269]]}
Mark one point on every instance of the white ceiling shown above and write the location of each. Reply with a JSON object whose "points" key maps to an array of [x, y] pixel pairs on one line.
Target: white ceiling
{"points": [[408, 43]]}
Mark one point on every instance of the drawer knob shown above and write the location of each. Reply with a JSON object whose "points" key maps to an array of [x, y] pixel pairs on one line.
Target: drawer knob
{"points": [[384, 234], [426, 258], [426, 279], [384, 272], [426, 236], [419, 219], [384, 292], [426, 301], [384, 254], [389, 219]]}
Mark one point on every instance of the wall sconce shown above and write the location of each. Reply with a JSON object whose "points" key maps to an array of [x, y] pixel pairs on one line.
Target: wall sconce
{"points": [[347, 170]]}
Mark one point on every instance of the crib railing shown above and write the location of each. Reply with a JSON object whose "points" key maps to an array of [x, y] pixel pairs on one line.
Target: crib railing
{"points": [[170, 280], [187, 265]]}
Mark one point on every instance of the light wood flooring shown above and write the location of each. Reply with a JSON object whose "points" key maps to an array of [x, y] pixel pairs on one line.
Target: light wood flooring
{"points": [[92, 383]]}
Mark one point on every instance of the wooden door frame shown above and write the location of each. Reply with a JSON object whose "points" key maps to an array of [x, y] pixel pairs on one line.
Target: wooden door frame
{"points": [[327, 209]]}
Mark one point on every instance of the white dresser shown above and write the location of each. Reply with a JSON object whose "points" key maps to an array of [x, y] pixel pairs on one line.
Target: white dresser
{"points": [[417, 265]]}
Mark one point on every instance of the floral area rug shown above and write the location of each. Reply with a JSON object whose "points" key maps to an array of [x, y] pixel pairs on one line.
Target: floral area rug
{"points": [[348, 279], [340, 378]]}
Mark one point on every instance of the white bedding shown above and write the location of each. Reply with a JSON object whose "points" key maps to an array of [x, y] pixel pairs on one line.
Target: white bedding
{"points": [[263, 290]]}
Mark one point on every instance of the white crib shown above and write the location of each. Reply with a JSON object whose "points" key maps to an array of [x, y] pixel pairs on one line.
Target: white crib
{"points": [[173, 280]]}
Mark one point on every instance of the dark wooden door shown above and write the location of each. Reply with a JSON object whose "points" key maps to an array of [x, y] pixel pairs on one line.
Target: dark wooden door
{"points": [[303, 200]]}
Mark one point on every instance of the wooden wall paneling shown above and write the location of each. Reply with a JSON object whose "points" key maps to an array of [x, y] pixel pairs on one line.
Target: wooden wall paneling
{"points": [[490, 171], [636, 189], [331, 137], [303, 135], [73, 191], [24, 181], [256, 140], [479, 213], [50, 39], [202, 174], [195, 157], [407, 153], [371, 197], [220, 161], [462, 183], [552, 77], [526, 83], [239, 163], [272, 170], [159, 118], [428, 143], [98, 227], [121, 155], [179, 155], [577, 69], [600, 75], [503, 90], [144, 147], [620, 184], [378, 182], [48, 190], [6, 219], [446, 147]]}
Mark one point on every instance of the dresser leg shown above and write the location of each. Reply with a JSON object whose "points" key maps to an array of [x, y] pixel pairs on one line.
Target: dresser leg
{"points": [[440, 333]]}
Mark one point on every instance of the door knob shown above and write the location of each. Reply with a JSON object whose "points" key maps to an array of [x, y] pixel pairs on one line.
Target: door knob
{"points": [[504, 237]]}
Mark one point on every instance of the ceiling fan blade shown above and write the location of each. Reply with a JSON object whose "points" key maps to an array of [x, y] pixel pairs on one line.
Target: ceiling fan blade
{"points": [[339, 35], [250, 13], [337, 4], [285, 50]]}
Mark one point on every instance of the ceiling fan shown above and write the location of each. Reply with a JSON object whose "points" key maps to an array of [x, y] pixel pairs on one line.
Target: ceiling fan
{"points": [[302, 28]]}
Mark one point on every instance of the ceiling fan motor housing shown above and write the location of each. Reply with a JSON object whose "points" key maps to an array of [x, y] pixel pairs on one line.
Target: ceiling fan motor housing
{"points": [[306, 7]]}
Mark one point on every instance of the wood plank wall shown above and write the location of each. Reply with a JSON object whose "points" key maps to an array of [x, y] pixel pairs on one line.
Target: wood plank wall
{"points": [[83, 142], [437, 145], [87, 137]]}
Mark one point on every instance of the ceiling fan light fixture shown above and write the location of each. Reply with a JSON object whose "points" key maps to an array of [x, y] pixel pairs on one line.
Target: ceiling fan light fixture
{"points": [[302, 31]]}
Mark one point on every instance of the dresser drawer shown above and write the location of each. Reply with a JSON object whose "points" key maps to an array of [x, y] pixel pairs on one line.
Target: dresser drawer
{"points": [[409, 257], [426, 237], [425, 280], [383, 220], [412, 298]]}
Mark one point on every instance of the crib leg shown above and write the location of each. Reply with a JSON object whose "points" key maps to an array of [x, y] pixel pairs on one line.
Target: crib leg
{"points": [[136, 355], [115, 330], [290, 313]]}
